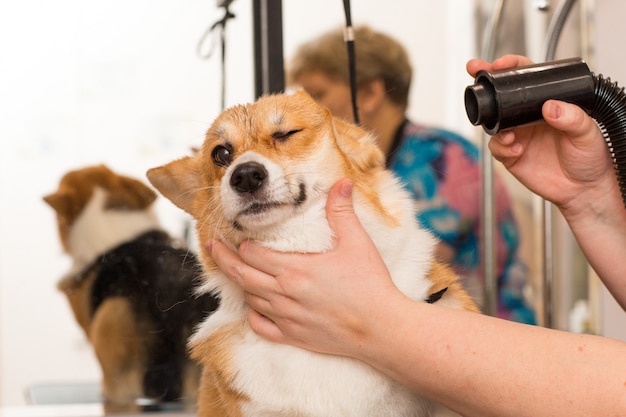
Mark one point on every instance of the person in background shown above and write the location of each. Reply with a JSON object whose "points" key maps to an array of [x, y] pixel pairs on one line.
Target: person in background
{"points": [[440, 168], [474, 364]]}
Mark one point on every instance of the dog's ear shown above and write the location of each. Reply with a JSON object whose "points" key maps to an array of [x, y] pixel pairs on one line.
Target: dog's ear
{"points": [[129, 194], [59, 201], [178, 181], [358, 146]]}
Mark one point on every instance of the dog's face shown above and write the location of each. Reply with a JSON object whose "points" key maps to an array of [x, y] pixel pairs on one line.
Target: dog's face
{"points": [[264, 163]]}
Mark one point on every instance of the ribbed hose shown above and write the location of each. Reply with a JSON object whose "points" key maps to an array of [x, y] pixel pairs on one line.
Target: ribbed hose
{"points": [[609, 111], [504, 99]]}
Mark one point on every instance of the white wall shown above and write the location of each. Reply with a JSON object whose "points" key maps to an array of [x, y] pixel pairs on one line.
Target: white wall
{"points": [[119, 82]]}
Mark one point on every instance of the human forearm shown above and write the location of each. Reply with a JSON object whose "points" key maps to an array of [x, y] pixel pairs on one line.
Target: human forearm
{"points": [[482, 366], [598, 220]]}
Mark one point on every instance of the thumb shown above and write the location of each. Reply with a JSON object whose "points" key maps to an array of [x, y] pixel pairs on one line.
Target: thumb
{"points": [[568, 117], [340, 208]]}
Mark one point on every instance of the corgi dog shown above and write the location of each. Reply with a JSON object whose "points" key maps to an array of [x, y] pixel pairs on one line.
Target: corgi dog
{"points": [[131, 289], [263, 173]]}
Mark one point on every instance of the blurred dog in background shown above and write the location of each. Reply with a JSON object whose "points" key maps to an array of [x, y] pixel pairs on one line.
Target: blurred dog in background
{"points": [[131, 288]]}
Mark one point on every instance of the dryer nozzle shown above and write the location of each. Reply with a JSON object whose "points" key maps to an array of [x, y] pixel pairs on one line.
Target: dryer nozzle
{"points": [[503, 99]]}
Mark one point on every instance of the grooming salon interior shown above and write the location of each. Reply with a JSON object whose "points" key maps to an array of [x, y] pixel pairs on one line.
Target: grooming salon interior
{"points": [[134, 84]]}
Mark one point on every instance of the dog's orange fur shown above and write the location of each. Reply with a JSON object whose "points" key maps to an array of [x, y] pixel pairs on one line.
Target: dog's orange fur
{"points": [[77, 293], [215, 395], [119, 346]]}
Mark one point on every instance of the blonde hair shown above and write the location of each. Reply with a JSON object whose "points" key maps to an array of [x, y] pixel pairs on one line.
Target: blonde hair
{"points": [[378, 56]]}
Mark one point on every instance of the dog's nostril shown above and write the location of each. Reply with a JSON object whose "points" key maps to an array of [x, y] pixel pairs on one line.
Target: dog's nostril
{"points": [[249, 177]]}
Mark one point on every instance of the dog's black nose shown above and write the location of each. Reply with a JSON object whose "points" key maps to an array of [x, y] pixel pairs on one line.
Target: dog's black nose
{"points": [[248, 177]]}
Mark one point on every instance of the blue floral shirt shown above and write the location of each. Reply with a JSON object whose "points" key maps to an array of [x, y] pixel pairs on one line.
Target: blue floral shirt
{"points": [[442, 171]]}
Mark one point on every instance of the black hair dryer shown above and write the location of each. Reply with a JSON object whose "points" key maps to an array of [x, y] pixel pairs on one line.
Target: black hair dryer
{"points": [[502, 99], [508, 98]]}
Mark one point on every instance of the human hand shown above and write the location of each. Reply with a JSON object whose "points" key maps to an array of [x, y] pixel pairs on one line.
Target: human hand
{"points": [[327, 302], [565, 160]]}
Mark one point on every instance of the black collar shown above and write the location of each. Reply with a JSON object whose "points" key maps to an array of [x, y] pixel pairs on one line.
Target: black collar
{"points": [[434, 297]]}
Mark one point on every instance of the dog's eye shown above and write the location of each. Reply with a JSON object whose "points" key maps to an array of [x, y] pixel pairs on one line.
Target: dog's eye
{"points": [[222, 155], [282, 136]]}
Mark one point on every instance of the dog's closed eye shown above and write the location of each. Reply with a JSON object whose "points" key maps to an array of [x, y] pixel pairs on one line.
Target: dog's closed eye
{"points": [[284, 135], [222, 155]]}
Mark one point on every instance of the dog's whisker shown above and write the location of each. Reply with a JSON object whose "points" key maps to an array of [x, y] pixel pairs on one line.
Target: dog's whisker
{"points": [[195, 190], [166, 309]]}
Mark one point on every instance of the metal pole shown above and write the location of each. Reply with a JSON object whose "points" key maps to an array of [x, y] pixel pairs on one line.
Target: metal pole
{"points": [[554, 32], [490, 288], [268, 47]]}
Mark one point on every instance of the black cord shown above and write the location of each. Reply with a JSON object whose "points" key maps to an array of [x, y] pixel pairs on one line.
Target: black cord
{"points": [[348, 36], [221, 25]]}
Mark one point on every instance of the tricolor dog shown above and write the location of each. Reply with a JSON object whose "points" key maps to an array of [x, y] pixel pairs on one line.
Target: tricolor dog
{"points": [[131, 288], [263, 173]]}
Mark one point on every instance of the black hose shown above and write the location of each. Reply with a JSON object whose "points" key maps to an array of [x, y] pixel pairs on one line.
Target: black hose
{"points": [[504, 99], [609, 111]]}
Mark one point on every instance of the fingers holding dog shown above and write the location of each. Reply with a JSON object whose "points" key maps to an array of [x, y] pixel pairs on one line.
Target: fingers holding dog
{"points": [[264, 293], [247, 277], [277, 319]]}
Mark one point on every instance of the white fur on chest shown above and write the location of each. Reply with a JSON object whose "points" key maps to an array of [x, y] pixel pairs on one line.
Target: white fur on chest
{"points": [[287, 381], [99, 229]]}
